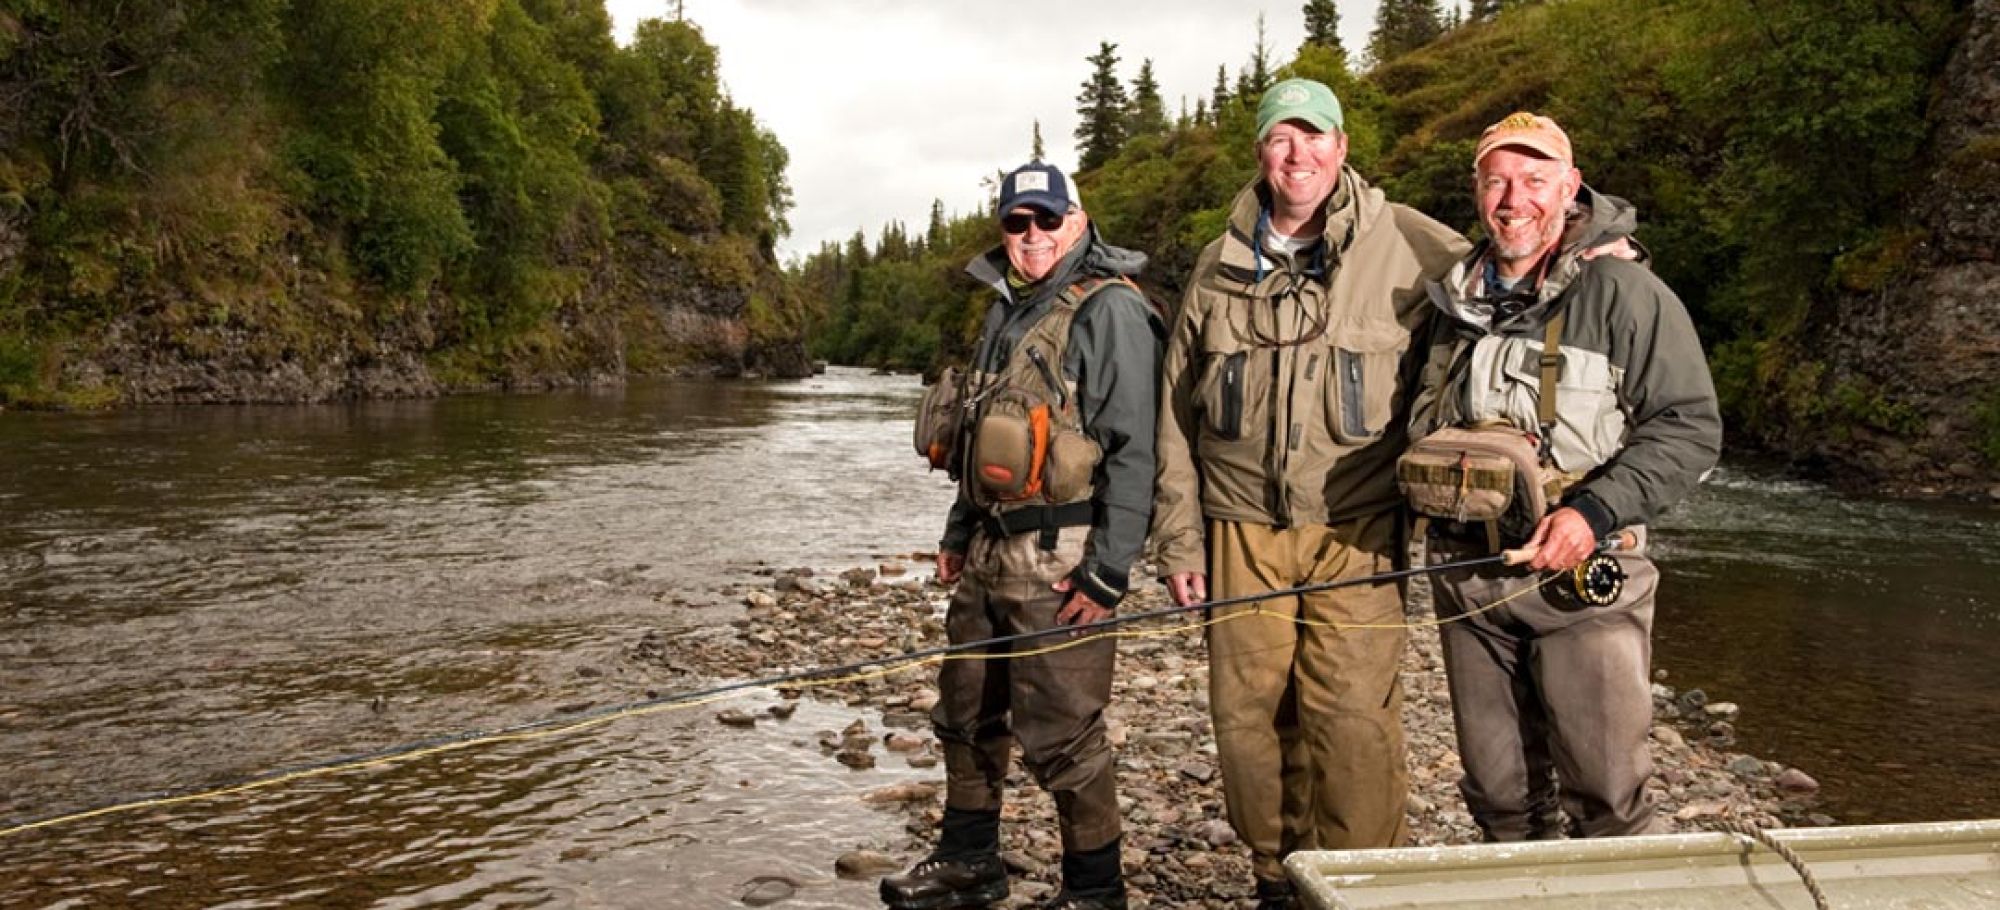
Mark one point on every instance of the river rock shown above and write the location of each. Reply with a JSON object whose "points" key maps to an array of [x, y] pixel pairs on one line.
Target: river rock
{"points": [[903, 742], [736, 717], [1669, 737], [1216, 833], [1020, 863], [859, 761], [784, 709], [865, 864], [1721, 709], [858, 578], [1745, 766], [924, 701], [765, 890], [1199, 772], [906, 792], [759, 600], [892, 569], [1792, 780], [1693, 700]]}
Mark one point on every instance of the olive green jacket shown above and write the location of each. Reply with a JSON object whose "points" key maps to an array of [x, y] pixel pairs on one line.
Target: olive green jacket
{"points": [[1284, 385]]}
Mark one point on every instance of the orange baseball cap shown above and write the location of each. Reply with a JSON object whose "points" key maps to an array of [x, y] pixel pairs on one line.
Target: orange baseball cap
{"points": [[1529, 131]]}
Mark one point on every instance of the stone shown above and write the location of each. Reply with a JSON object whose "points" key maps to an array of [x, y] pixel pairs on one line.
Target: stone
{"points": [[783, 709], [759, 600], [1721, 709], [924, 701], [765, 890], [1745, 766], [1216, 833], [1792, 780], [903, 742], [891, 569], [1020, 863], [859, 761], [735, 717], [906, 792], [1669, 737], [925, 760], [865, 864], [1199, 772]]}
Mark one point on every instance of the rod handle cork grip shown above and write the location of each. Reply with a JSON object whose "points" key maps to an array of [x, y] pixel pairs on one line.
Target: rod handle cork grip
{"points": [[1616, 543]]}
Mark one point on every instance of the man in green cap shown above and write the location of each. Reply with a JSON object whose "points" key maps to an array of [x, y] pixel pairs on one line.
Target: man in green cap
{"points": [[1280, 422]]}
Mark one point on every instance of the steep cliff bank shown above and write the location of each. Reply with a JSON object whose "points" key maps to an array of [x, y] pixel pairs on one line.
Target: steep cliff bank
{"points": [[1914, 343]]}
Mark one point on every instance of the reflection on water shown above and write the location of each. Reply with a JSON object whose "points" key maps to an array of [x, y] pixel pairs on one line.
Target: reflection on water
{"points": [[1858, 636], [191, 595]]}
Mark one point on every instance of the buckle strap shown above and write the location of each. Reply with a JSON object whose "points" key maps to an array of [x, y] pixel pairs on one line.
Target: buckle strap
{"points": [[1046, 519]]}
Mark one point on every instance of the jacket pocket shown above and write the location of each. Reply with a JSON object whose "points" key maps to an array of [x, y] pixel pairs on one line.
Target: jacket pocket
{"points": [[1235, 380], [1361, 393]]}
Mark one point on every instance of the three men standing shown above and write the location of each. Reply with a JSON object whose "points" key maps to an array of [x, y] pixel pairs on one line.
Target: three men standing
{"points": [[1054, 459], [1280, 422]]}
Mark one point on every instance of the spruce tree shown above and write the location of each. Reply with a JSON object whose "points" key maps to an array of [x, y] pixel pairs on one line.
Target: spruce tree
{"points": [[1323, 24], [1402, 26], [1219, 98], [1100, 110], [1148, 114], [1482, 10], [1256, 77], [1037, 152], [934, 236]]}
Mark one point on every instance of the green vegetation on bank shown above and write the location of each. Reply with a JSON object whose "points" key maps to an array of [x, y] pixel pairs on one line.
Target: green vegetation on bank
{"points": [[1771, 148], [489, 186]]}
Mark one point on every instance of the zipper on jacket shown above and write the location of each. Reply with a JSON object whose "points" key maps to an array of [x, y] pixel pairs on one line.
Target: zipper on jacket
{"points": [[1352, 420], [1049, 376], [1231, 420]]}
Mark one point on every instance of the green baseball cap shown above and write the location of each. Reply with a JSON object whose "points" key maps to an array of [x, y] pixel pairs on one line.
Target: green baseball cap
{"points": [[1298, 99]]}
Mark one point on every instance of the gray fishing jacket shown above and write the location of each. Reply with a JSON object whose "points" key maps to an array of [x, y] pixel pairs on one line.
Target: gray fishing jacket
{"points": [[1113, 357], [1637, 420]]}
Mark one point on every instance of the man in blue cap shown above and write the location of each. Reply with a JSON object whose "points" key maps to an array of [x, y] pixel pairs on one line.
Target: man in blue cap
{"points": [[1055, 471]]}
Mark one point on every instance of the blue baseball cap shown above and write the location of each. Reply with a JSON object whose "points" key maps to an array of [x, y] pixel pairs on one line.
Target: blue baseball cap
{"points": [[1040, 186]]}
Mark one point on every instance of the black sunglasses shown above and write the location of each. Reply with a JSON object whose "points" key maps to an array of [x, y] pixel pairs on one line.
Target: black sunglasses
{"points": [[1017, 222]]}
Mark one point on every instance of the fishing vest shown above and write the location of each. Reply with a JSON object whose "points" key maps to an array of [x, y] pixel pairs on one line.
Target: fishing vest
{"points": [[1014, 435]]}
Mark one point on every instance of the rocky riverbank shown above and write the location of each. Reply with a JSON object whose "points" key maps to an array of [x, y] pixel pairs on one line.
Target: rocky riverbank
{"points": [[1179, 850]]}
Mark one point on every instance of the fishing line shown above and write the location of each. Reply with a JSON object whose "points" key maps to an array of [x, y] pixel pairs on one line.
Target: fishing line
{"points": [[813, 678]]}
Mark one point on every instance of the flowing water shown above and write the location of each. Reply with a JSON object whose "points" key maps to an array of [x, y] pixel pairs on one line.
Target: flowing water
{"points": [[189, 596]]}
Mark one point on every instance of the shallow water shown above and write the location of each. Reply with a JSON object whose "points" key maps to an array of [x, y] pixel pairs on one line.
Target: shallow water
{"points": [[189, 596]]}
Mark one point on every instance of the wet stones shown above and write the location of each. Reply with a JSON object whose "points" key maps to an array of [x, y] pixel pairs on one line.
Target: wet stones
{"points": [[1180, 849], [736, 717]]}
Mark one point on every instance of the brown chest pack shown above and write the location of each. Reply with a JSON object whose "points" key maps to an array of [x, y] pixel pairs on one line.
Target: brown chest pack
{"points": [[1493, 474], [1015, 435]]}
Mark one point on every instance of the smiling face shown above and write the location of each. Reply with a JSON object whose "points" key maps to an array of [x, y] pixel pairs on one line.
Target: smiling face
{"points": [[1036, 252], [1523, 199], [1301, 165]]}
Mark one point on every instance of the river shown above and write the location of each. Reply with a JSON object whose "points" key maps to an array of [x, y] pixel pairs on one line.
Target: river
{"points": [[189, 596]]}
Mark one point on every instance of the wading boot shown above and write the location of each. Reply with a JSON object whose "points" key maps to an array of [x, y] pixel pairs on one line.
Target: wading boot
{"points": [[1276, 895], [964, 880], [1075, 900]]}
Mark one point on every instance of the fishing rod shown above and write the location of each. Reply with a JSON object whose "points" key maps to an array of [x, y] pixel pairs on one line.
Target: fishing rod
{"points": [[553, 725]]}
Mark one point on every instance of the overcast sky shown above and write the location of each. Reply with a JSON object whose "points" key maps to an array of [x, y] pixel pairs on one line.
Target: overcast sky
{"points": [[886, 105]]}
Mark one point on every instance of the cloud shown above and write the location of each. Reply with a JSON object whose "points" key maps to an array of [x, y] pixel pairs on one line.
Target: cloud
{"points": [[885, 105]]}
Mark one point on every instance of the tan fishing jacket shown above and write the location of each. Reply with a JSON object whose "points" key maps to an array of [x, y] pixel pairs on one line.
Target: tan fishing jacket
{"points": [[1285, 381]]}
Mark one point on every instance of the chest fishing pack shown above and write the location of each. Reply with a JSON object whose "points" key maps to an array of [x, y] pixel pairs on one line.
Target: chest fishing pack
{"points": [[1015, 434], [1492, 474]]}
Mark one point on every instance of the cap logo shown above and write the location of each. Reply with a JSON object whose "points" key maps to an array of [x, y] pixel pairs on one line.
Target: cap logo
{"points": [[1293, 95], [1031, 181], [1519, 121]]}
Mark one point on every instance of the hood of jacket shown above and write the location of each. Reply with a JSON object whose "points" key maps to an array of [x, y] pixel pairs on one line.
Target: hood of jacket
{"points": [[1597, 219], [1353, 206]]}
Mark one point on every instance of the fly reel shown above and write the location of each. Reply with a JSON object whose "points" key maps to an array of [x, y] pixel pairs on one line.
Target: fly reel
{"points": [[1595, 582]]}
